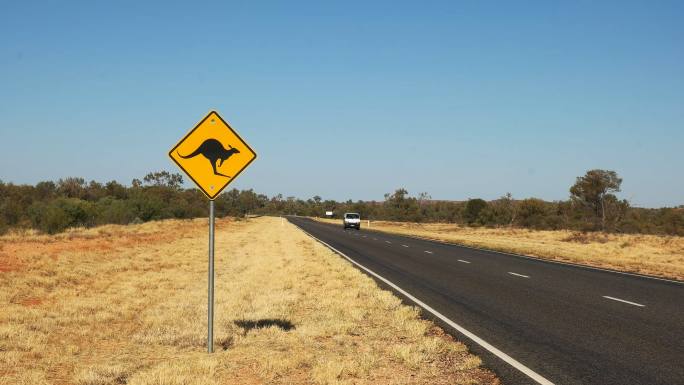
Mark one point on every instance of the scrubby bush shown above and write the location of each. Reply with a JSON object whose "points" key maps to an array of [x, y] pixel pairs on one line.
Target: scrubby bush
{"points": [[79, 212], [673, 221], [473, 209], [113, 210], [148, 207], [12, 211], [3, 226], [48, 217], [532, 213], [60, 214]]}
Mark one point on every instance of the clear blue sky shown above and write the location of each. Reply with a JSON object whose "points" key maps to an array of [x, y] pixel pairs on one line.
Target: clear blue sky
{"points": [[353, 99]]}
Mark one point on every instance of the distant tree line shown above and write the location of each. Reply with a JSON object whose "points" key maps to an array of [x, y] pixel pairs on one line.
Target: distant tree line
{"points": [[52, 207], [72, 202]]}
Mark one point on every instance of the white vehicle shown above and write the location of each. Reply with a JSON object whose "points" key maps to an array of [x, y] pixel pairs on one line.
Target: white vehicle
{"points": [[352, 220]]}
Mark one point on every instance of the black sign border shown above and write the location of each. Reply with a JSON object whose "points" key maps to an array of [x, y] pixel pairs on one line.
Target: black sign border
{"points": [[193, 130]]}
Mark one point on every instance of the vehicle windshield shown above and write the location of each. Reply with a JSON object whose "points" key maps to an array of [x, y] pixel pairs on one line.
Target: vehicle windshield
{"points": [[351, 216]]}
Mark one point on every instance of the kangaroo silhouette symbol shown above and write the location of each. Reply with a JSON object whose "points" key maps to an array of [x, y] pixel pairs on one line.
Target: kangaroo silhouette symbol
{"points": [[214, 151]]}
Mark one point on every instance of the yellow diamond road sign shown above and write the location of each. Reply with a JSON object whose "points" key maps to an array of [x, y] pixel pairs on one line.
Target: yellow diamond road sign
{"points": [[212, 154]]}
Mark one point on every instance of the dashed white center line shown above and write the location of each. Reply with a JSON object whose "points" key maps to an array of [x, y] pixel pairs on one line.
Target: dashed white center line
{"points": [[428, 251], [388, 242], [405, 245], [460, 260], [484, 344], [519, 275], [365, 236], [625, 301], [375, 239]]}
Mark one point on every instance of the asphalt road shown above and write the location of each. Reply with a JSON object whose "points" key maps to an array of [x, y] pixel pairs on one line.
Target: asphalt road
{"points": [[570, 325]]}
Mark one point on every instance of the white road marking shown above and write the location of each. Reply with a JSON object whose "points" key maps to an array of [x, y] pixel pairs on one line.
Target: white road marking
{"points": [[622, 300], [519, 275], [375, 239], [585, 267], [428, 251], [503, 356], [460, 260], [388, 242], [405, 245], [365, 236]]}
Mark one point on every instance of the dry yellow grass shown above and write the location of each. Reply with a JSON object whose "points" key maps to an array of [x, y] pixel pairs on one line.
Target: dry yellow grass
{"points": [[661, 256], [127, 305]]}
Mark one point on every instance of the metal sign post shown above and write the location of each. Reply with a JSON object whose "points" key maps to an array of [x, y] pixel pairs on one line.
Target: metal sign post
{"points": [[212, 154], [210, 318]]}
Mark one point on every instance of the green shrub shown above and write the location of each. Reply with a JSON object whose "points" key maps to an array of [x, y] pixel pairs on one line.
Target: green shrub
{"points": [[673, 221], [11, 211], [60, 214], [48, 218], [532, 213], [79, 212], [112, 210], [472, 210], [3, 226]]}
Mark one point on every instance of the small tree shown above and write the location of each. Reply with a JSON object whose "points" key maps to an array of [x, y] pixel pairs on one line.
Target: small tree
{"points": [[71, 187], [164, 179], [424, 198], [399, 206], [594, 190], [500, 212]]}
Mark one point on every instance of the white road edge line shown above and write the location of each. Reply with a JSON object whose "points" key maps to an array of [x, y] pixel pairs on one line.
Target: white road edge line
{"points": [[625, 301], [405, 245], [460, 260], [428, 251], [503, 356], [519, 275]]}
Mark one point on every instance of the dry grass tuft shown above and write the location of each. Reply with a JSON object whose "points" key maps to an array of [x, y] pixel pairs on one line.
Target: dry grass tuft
{"points": [[127, 305], [661, 256]]}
